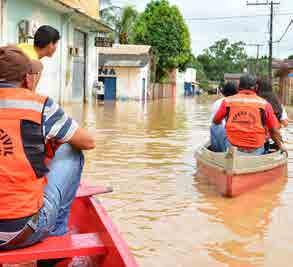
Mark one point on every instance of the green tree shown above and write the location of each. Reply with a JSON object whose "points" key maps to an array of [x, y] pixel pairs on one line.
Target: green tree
{"points": [[290, 57], [121, 20], [258, 67], [162, 26], [204, 84], [223, 57]]}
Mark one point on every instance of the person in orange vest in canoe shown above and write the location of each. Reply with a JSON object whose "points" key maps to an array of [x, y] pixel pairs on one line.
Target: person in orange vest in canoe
{"points": [[247, 118], [35, 197]]}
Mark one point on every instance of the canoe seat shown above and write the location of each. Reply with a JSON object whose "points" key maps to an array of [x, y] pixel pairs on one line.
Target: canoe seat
{"points": [[66, 246]]}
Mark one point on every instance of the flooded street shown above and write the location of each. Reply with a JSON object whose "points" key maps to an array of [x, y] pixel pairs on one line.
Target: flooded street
{"points": [[169, 216]]}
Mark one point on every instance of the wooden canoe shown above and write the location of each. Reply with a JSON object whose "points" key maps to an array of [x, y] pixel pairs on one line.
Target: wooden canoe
{"points": [[233, 174], [93, 240]]}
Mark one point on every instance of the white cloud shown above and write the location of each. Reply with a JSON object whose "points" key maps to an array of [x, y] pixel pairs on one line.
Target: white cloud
{"points": [[249, 30]]}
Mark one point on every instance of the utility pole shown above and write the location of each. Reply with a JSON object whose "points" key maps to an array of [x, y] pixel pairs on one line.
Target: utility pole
{"points": [[257, 56], [270, 3]]}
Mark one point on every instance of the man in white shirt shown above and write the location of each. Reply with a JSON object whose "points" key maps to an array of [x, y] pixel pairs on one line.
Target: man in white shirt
{"points": [[217, 130]]}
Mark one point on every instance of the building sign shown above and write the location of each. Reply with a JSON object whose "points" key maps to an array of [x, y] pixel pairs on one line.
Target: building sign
{"points": [[102, 41], [107, 72]]}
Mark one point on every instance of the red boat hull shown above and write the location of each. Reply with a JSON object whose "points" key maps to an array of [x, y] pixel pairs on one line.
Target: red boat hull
{"points": [[232, 185], [92, 240]]}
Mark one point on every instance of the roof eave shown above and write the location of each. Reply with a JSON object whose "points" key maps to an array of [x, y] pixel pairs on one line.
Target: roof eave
{"points": [[94, 24]]}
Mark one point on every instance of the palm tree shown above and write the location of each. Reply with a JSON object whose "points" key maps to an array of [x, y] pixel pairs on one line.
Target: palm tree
{"points": [[125, 26], [121, 20]]}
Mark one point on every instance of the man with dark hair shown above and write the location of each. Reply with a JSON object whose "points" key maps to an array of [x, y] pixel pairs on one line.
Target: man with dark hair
{"points": [[36, 195], [217, 144], [45, 43], [248, 116]]}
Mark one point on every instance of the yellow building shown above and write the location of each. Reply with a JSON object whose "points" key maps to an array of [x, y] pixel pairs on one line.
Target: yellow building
{"points": [[89, 7]]}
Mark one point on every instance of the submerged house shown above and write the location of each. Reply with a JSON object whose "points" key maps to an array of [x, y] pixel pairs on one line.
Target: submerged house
{"points": [[125, 71]]}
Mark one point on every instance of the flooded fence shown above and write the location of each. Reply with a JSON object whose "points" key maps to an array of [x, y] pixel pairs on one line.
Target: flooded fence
{"points": [[162, 90], [285, 91]]}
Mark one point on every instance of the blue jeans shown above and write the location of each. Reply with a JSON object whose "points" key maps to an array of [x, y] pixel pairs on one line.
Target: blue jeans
{"points": [[220, 142], [63, 182]]}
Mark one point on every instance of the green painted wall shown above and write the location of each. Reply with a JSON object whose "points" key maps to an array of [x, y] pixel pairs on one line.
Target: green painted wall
{"points": [[54, 81], [18, 10]]}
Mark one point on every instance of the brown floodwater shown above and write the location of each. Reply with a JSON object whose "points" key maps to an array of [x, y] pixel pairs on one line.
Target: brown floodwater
{"points": [[169, 216]]}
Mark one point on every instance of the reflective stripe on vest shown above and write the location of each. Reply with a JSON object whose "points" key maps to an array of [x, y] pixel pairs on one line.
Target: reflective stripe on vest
{"points": [[21, 104], [244, 125], [246, 100], [21, 191]]}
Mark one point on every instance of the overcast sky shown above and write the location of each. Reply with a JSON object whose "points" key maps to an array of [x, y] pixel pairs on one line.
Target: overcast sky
{"points": [[249, 30]]}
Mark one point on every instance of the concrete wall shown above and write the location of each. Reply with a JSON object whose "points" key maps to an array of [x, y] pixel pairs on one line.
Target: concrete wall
{"points": [[129, 82], [180, 83], [91, 62], [17, 10], [56, 80], [92, 65], [190, 75], [1, 22]]}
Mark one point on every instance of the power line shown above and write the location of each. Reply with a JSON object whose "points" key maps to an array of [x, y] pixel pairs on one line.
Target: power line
{"points": [[286, 31], [257, 55], [271, 4], [235, 17]]}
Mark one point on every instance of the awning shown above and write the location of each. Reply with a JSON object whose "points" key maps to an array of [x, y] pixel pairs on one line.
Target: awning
{"points": [[77, 16], [124, 63], [136, 61]]}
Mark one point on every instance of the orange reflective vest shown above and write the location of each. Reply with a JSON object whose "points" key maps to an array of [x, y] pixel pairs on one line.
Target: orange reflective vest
{"points": [[245, 127], [22, 150]]}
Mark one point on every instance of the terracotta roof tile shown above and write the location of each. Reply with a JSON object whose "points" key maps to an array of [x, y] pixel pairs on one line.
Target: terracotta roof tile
{"points": [[283, 64]]}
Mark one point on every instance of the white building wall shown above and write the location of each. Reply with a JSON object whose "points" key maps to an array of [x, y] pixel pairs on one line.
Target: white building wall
{"points": [[56, 80], [144, 74], [190, 75], [180, 83], [67, 69], [1, 21], [14, 12], [92, 65], [129, 83]]}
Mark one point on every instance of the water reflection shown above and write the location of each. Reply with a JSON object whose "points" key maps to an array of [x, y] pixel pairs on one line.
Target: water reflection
{"points": [[169, 217], [247, 218]]}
